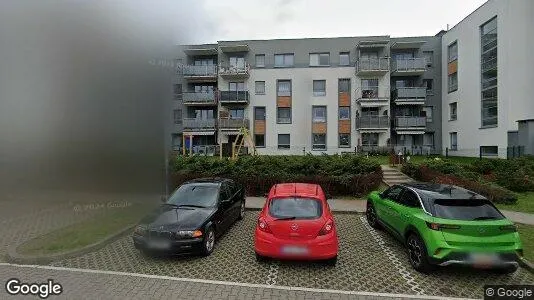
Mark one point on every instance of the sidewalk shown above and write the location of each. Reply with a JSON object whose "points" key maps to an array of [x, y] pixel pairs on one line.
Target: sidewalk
{"points": [[358, 206]]}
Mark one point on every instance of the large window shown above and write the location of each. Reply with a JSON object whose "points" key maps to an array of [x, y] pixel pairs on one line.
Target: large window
{"points": [[429, 84], [283, 60], [452, 78], [259, 140], [319, 114], [370, 139], [260, 88], [344, 85], [453, 140], [453, 82], [236, 86], [489, 150], [453, 111], [427, 112], [319, 87], [319, 141], [177, 116], [260, 60], [237, 113], [237, 62], [319, 59], [283, 115], [283, 88], [344, 58], [488, 61], [429, 58], [428, 139], [284, 141], [453, 52], [369, 88], [344, 113], [259, 113], [344, 140]]}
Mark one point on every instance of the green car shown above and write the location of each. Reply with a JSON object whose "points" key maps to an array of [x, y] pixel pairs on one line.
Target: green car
{"points": [[445, 225]]}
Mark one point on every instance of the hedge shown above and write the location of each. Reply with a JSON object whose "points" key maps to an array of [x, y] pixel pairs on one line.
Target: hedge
{"points": [[339, 175], [494, 193]]}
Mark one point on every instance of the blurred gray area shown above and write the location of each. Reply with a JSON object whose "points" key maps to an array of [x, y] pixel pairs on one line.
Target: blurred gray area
{"points": [[84, 87]]}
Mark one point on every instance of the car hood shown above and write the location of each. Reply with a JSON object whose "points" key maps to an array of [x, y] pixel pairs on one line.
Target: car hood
{"points": [[172, 218]]}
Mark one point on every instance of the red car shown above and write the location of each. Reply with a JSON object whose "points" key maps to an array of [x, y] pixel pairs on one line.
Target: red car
{"points": [[296, 223]]}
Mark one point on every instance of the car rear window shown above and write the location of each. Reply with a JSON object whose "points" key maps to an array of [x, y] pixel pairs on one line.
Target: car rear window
{"points": [[299, 208], [468, 209]]}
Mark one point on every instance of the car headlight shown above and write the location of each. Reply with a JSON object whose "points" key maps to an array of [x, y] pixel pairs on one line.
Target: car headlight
{"points": [[188, 233], [140, 230]]}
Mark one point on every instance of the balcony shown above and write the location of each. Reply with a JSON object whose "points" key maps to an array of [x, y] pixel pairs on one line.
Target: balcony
{"points": [[490, 65], [202, 98], [372, 66], [410, 125], [372, 96], [200, 73], [199, 125], [410, 95], [408, 67], [234, 71], [372, 123], [234, 97], [233, 124]]}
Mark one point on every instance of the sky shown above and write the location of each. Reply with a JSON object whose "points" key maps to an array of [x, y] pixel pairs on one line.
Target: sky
{"points": [[262, 19]]}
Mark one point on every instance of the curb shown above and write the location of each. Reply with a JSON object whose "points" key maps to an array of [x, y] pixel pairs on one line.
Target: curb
{"points": [[526, 265], [13, 256]]}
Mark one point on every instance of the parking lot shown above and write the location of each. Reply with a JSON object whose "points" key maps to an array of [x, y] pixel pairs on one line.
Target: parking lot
{"points": [[369, 260]]}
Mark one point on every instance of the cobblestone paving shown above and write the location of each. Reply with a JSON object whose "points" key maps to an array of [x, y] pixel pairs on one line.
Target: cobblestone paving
{"points": [[369, 260]]}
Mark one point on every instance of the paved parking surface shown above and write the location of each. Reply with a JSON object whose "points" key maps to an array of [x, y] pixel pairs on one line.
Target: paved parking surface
{"points": [[369, 260]]}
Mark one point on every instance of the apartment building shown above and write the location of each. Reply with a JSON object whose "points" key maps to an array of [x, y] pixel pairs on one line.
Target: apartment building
{"points": [[465, 91]]}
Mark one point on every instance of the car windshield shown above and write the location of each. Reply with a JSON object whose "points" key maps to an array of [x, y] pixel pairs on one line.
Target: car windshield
{"points": [[199, 195], [466, 209], [295, 208]]}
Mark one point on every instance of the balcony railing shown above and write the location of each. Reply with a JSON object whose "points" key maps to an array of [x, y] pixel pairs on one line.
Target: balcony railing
{"points": [[410, 94], [372, 93], [234, 97], [199, 124], [409, 65], [199, 98], [372, 65], [372, 122], [234, 70], [410, 121], [233, 123], [489, 64], [200, 71]]}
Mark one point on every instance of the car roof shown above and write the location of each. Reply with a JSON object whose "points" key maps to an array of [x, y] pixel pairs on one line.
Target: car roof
{"points": [[297, 188], [432, 191], [213, 180]]}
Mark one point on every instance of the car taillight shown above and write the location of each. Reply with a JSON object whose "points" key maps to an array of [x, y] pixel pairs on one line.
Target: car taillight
{"points": [[262, 225], [511, 228], [327, 228], [436, 226]]}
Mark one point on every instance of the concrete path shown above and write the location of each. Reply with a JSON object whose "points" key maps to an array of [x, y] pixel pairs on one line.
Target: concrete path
{"points": [[394, 176]]}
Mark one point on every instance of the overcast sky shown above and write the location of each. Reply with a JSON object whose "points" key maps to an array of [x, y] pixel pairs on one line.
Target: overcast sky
{"points": [[267, 19]]}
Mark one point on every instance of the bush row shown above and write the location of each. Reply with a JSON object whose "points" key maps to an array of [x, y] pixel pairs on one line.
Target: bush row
{"points": [[337, 174], [494, 193]]}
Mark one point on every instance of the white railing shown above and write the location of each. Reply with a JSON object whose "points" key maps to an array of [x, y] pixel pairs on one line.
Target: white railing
{"points": [[372, 122], [191, 123], [372, 93], [228, 70], [200, 97], [233, 123], [372, 64], [409, 64], [418, 93], [410, 121], [204, 71]]}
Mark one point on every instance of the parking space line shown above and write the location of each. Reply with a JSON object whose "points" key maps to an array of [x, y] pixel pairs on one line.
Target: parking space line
{"points": [[227, 283], [273, 273], [405, 273]]}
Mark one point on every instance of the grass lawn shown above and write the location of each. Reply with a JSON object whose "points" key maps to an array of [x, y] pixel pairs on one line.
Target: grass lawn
{"points": [[525, 203], [526, 232], [85, 233]]}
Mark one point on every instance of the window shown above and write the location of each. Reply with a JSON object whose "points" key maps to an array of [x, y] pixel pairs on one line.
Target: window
{"points": [[283, 115], [177, 116], [260, 60], [283, 88], [369, 139], [453, 82], [488, 61], [428, 139], [319, 141], [259, 113], [237, 62], [176, 141], [236, 86], [429, 84], [344, 85], [237, 113], [283, 60], [409, 199], [204, 62], [283, 141], [344, 140], [427, 112], [319, 114], [454, 140], [344, 113], [344, 58], [489, 111], [295, 207], [319, 87], [453, 51], [319, 59], [489, 150], [392, 193], [177, 89], [429, 58], [260, 87], [466, 209], [453, 110], [259, 140], [369, 88]]}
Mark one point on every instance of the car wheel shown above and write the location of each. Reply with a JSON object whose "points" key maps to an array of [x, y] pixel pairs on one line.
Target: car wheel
{"points": [[417, 254], [260, 258], [331, 262], [371, 216], [242, 211], [507, 270], [208, 244]]}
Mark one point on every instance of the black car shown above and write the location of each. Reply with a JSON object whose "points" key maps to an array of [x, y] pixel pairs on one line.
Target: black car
{"points": [[190, 220]]}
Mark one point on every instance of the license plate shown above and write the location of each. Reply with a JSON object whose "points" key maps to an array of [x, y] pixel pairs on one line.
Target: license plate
{"points": [[158, 244], [294, 250], [484, 260]]}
